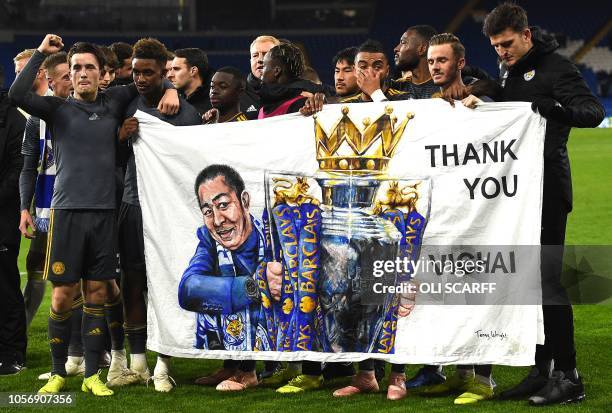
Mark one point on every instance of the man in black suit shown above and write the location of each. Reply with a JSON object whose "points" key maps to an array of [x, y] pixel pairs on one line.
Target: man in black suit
{"points": [[13, 338]]}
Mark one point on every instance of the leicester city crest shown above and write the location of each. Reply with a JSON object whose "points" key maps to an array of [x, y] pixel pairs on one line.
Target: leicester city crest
{"points": [[529, 75], [234, 329]]}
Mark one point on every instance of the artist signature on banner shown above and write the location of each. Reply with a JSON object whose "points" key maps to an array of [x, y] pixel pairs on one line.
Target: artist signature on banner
{"points": [[492, 334]]}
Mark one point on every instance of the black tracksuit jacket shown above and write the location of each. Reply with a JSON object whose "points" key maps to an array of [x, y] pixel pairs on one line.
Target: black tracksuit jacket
{"points": [[542, 73]]}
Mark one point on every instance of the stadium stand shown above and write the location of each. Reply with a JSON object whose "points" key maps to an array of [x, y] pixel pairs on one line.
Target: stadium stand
{"points": [[225, 31]]}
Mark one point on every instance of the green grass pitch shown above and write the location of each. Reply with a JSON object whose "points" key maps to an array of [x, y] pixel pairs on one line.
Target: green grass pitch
{"points": [[589, 223]]}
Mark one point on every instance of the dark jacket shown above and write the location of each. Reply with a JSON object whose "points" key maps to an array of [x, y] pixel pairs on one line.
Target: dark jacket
{"points": [[118, 81], [200, 99], [272, 96], [542, 74], [251, 99], [12, 125]]}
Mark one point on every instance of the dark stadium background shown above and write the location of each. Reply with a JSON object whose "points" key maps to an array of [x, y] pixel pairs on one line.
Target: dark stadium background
{"points": [[225, 29]]}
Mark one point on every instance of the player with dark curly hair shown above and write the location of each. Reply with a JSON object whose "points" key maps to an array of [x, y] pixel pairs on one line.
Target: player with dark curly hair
{"points": [[149, 70], [281, 92]]}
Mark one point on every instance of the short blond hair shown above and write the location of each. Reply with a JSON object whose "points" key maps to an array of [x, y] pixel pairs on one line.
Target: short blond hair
{"points": [[263, 39], [25, 54]]}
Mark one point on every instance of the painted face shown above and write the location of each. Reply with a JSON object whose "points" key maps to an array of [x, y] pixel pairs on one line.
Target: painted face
{"points": [[345, 80], [258, 51], [148, 76], [225, 215], [85, 74], [510, 46], [107, 78], [180, 73], [444, 67], [224, 90], [375, 61], [60, 81], [406, 53]]}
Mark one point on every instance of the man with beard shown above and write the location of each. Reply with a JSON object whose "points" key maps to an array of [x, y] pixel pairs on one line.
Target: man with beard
{"points": [[531, 71], [411, 59], [32, 181], [411, 55], [149, 70], [446, 59]]}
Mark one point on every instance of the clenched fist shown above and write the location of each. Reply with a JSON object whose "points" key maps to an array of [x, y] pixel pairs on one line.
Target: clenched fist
{"points": [[52, 43], [313, 104], [128, 129], [211, 116]]}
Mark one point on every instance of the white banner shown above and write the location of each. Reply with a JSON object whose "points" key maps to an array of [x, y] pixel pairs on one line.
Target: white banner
{"points": [[485, 167]]}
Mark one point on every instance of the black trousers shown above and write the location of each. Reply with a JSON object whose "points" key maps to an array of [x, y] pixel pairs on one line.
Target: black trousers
{"points": [[13, 336], [556, 308]]}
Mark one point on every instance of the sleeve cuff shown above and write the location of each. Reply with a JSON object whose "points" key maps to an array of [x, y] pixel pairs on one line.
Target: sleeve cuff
{"points": [[378, 96]]}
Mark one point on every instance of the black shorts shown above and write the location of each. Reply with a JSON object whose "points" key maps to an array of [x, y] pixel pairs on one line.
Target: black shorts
{"points": [[131, 239], [81, 244]]}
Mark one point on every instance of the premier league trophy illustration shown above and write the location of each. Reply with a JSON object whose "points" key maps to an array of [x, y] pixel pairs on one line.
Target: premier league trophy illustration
{"points": [[333, 226]]}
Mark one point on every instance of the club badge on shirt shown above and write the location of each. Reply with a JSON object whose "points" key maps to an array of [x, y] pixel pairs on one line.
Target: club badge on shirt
{"points": [[94, 116], [529, 75]]}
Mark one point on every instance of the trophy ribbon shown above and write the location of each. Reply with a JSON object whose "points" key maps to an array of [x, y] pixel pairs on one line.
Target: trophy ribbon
{"points": [[411, 227]]}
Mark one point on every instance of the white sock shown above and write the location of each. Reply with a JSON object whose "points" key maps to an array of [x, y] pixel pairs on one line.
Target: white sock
{"points": [[118, 357], [162, 366], [138, 362], [75, 360]]}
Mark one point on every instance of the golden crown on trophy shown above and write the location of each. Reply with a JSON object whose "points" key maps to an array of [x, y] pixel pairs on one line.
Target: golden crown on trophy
{"points": [[349, 148]]}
